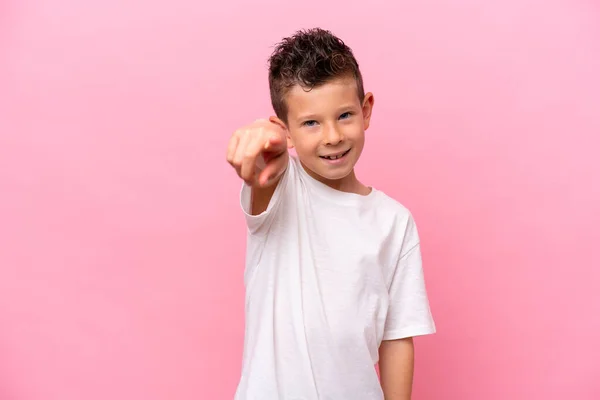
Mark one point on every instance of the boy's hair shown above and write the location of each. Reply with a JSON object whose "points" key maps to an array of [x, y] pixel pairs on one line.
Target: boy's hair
{"points": [[309, 58]]}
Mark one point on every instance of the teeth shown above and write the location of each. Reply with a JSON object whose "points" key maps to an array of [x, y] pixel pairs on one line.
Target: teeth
{"points": [[335, 157]]}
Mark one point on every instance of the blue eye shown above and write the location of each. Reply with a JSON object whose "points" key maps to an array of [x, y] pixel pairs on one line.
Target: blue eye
{"points": [[345, 115], [309, 123]]}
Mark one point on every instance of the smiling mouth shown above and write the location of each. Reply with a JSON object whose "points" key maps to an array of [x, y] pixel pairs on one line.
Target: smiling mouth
{"points": [[336, 156]]}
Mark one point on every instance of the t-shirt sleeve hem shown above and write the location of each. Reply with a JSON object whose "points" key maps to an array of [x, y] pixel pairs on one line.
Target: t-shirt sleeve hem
{"points": [[409, 332], [254, 221]]}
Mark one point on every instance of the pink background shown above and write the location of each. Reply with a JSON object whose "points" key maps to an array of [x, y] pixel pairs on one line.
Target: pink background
{"points": [[121, 240]]}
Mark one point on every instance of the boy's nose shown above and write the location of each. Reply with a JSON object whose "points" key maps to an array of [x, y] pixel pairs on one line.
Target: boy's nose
{"points": [[332, 136]]}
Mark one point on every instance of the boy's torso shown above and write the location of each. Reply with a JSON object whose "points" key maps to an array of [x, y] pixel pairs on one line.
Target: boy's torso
{"points": [[317, 283]]}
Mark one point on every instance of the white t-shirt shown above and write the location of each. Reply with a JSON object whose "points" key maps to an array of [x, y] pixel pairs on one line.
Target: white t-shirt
{"points": [[328, 276]]}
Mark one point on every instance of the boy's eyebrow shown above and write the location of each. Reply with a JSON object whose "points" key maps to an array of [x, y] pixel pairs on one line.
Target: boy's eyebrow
{"points": [[307, 117], [347, 106]]}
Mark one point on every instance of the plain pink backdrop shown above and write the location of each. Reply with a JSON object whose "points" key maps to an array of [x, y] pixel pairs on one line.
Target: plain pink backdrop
{"points": [[121, 239]]}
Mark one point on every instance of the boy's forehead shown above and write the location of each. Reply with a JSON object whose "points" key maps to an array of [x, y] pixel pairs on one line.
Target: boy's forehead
{"points": [[332, 94]]}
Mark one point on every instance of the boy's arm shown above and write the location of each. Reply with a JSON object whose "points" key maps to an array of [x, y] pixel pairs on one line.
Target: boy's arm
{"points": [[396, 368], [258, 152]]}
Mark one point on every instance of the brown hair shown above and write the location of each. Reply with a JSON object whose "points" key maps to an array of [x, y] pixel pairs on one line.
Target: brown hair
{"points": [[309, 58]]}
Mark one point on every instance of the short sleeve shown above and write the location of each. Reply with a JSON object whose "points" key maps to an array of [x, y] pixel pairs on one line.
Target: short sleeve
{"points": [[257, 224], [409, 313]]}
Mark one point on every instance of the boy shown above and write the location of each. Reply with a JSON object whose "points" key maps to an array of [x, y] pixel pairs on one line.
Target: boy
{"points": [[333, 276]]}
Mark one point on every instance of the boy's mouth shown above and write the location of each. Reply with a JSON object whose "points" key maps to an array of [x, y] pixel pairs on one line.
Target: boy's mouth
{"points": [[335, 156]]}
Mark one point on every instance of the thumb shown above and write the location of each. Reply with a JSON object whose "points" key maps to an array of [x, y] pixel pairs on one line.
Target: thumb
{"points": [[274, 142]]}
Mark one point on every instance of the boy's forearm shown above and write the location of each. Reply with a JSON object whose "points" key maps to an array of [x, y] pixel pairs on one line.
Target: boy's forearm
{"points": [[396, 368]]}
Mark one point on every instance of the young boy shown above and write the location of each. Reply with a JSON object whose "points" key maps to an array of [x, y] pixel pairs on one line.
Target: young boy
{"points": [[333, 275]]}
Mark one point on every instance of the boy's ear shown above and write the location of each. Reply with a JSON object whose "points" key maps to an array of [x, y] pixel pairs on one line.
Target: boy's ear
{"points": [[276, 120], [367, 109]]}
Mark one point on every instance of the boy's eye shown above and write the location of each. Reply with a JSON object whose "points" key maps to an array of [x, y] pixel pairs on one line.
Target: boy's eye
{"points": [[309, 123], [345, 115]]}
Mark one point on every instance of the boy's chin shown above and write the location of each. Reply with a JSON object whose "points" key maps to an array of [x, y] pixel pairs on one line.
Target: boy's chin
{"points": [[333, 175]]}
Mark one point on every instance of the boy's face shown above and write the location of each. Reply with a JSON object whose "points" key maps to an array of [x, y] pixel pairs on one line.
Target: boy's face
{"points": [[327, 126]]}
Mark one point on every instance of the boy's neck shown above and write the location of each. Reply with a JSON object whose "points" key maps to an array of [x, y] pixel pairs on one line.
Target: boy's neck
{"points": [[348, 184]]}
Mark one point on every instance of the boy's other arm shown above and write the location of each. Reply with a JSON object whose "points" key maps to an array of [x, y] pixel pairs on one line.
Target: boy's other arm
{"points": [[258, 152], [396, 368]]}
